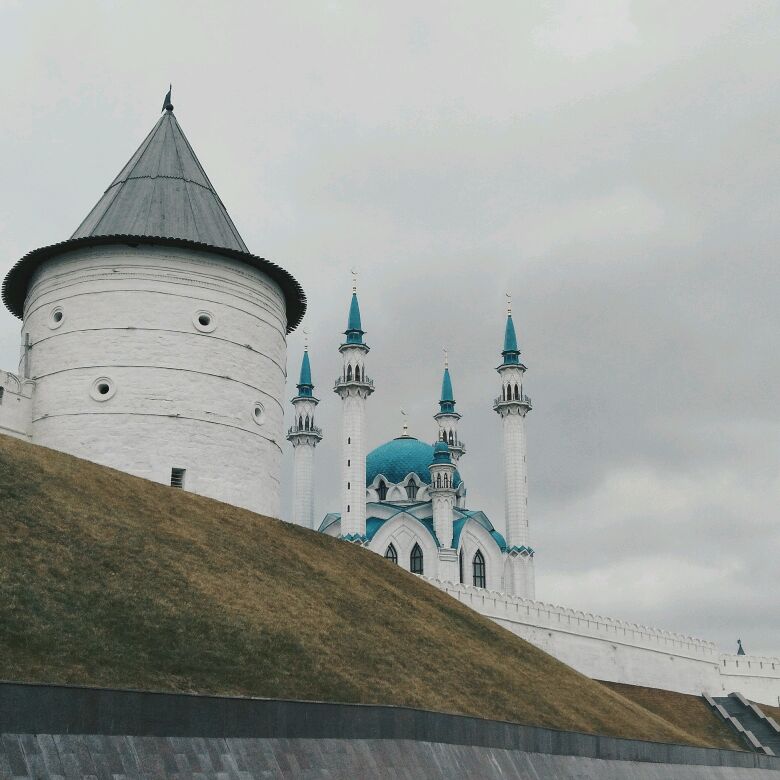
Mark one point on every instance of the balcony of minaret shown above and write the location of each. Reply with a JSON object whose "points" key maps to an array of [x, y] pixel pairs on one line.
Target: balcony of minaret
{"points": [[303, 432], [512, 402], [349, 381]]}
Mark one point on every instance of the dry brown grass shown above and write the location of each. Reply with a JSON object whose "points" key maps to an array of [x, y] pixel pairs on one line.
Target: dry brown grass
{"points": [[690, 713], [106, 579], [770, 711]]}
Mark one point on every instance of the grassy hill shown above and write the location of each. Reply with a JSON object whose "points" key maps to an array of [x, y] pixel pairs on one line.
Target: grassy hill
{"points": [[107, 579]]}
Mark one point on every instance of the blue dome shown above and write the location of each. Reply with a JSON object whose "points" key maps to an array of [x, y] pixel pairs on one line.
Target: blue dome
{"points": [[398, 458]]}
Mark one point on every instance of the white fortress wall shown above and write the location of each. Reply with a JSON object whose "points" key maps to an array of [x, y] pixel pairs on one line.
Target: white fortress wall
{"points": [[619, 651], [182, 394], [756, 677], [15, 405]]}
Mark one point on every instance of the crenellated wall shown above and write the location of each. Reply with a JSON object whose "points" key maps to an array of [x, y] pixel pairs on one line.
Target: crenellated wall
{"points": [[16, 396], [619, 651]]}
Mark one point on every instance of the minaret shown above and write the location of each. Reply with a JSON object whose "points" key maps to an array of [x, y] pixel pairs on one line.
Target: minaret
{"points": [[354, 387], [447, 417], [304, 436], [513, 405], [442, 492]]}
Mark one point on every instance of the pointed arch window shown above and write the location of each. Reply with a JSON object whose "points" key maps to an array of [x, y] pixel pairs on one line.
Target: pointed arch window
{"points": [[411, 490], [357, 373], [416, 560], [306, 423], [517, 392], [452, 438], [479, 570], [438, 480], [300, 422], [381, 489], [349, 373], [446, 480], [391, 554]]}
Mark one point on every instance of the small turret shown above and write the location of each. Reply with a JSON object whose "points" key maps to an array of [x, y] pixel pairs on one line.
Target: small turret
{"points": [[304, 436], [442, 492], [447, 417]]}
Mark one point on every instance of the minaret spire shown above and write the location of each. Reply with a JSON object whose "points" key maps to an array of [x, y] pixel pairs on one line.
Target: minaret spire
{"points": [[353, 387], [513, 405], [167, 105], [447, 417], [304, 436]]}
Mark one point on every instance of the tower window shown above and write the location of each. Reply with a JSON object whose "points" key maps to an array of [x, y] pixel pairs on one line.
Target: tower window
{"points": [[381, 490], [411, 491], [349, 440], [438, 480], [357, 373], [348, 486], [416, 560], [348, 461], [479, 570], [452, 438], [446, 480], [177, 477], [391, 554], [347, 507], [349, 373]]}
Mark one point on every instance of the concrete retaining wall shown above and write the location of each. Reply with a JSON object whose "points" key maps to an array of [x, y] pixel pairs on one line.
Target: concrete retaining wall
{"points": [[148, 734]]}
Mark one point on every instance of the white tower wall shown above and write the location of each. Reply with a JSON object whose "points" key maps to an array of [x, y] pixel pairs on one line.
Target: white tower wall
{"points": [[206, 398], [353, 462], [515, 477], [303, 484]]}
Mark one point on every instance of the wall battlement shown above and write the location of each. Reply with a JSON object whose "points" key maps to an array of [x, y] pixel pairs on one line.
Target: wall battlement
{"points": [[621, 651]]}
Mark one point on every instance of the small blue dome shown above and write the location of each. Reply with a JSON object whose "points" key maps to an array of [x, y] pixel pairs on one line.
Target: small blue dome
{"points": [[398, 458], [441, 453]]}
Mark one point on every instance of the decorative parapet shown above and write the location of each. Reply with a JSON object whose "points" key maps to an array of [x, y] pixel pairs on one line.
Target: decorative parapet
{"points": [[538, 614], [750, 665]]}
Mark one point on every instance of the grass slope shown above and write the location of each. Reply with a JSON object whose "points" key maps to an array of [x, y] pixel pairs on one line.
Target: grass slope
{"points": [[688, 712], [107, 579]]}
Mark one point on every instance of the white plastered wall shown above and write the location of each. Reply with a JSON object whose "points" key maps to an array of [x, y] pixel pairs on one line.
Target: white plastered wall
{"points": [[15, 405], [206, 399], [403, 531]]}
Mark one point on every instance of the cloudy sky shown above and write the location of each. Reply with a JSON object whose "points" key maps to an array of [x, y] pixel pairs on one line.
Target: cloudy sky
{"points": [[612, 164]]}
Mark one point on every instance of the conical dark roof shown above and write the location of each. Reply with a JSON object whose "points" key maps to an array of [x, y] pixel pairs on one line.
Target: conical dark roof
{"points": [[163, 191], [162, 196]]}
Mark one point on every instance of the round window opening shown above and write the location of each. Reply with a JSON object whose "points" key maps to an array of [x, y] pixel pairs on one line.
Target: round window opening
{"points": [[258, 413], [56, 317], [204, 321], [102, 389]]}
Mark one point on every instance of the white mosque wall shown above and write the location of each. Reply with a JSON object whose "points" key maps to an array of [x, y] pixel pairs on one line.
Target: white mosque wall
{"points": [[189, 348], [619, 651], [15, 405]]}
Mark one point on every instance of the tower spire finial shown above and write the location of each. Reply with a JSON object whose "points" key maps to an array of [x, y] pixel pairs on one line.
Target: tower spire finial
{"points": [[305, 340], [167, 105], [405, 423], [354, 280], [446, 358], [508, 304]]}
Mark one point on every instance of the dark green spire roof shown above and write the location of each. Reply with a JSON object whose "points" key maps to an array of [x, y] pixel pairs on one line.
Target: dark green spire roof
{"points": [[305, 385], [447, 400], [354, 331], [510, 352]]}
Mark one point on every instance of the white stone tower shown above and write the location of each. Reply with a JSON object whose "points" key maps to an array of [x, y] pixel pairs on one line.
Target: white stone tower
{"points": [[354, 387], [155, 340], [447, 417], [513, 405], [304, 436], [442, 492]]}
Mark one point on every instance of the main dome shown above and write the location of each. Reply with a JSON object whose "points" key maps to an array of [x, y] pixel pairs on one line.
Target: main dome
{"points": [[398, 458]]}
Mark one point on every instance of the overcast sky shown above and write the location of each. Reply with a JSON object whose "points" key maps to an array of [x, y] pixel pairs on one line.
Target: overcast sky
{"points": [[612, 164]]}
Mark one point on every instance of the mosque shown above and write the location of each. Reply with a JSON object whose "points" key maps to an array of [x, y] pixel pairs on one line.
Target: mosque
{"points": [[154, 342], [406, 499]]}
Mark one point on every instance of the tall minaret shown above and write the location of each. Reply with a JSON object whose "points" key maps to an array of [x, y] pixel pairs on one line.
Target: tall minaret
{"points": [[354, 387], [304, 436], [513, 405], [447, 417]]}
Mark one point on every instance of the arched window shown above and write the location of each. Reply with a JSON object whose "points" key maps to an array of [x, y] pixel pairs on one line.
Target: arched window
{"points": [[381, 489], [517, 392], [349, 373], [438, 480], [306, 423], [416, 560], [446, 480], [411, 490], [503, 392], [479, 570], [391, 554], [300, 422], [460, 565]]}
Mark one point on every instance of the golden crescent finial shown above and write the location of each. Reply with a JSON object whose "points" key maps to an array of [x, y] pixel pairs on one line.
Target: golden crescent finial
{"points": [[446, 358], [406, 425], [508, 304], [354, 279], [305, 340]]}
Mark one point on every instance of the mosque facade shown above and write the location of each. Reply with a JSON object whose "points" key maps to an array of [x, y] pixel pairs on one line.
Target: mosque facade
{"points": [[406, 499]]}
